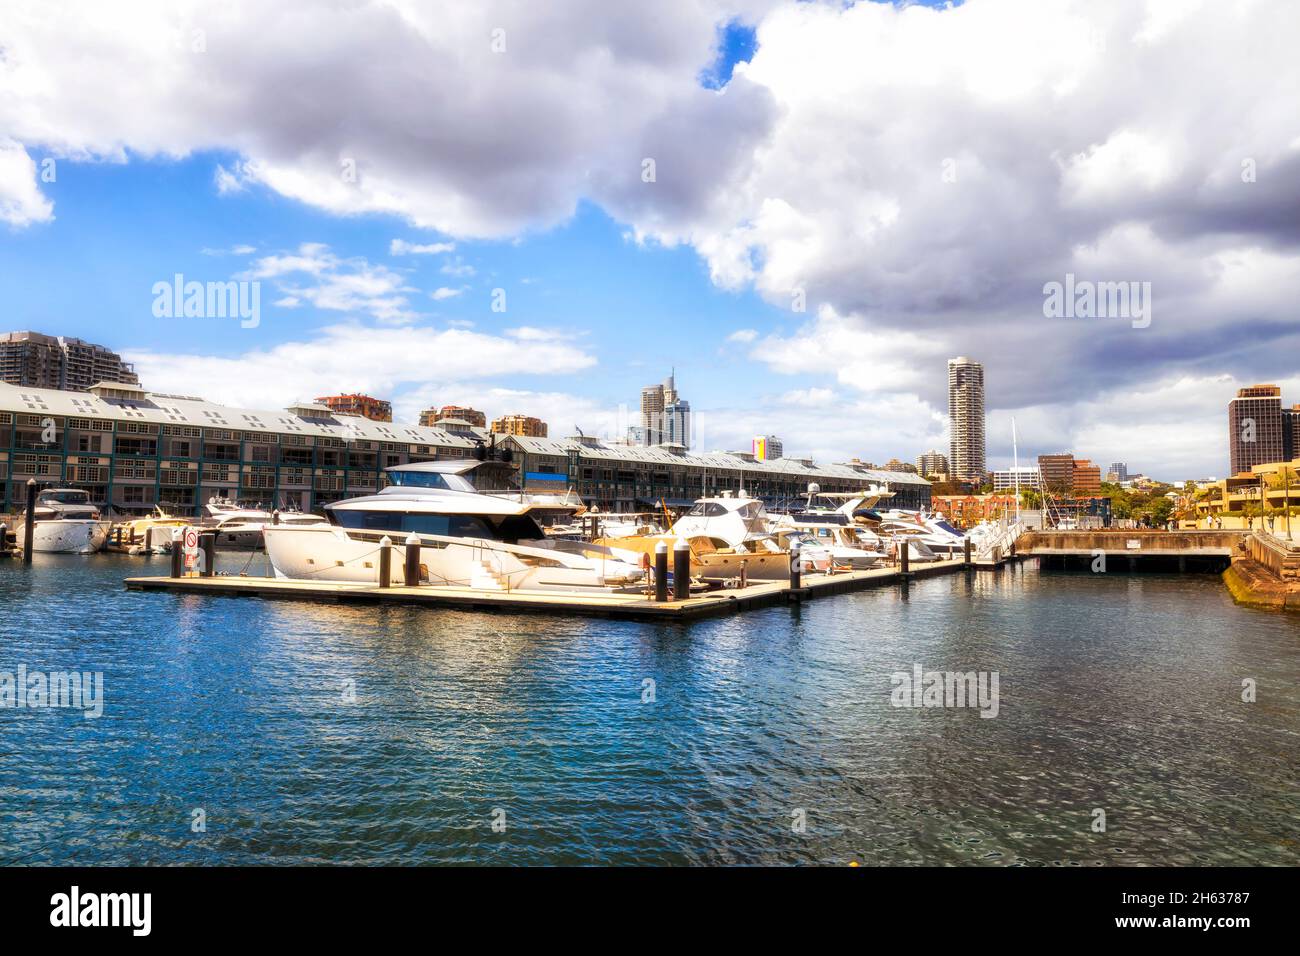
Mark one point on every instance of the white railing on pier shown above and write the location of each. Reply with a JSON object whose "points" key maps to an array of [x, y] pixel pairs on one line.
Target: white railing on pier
{"points": [[995, 545]]}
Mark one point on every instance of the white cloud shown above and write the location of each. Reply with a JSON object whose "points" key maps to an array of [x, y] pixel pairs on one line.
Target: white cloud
{"points": [[400, 247], [743, 336], [230, 181], [21, 201], [456, 267], [446, 292], [380, 360], [410, 96], [351, 285]]}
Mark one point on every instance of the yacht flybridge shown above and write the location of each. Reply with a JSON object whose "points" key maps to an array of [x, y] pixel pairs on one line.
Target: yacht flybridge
{"points": [[467, 537]]}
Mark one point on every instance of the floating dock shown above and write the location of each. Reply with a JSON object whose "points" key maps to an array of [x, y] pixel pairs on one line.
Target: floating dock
{"points": [[624, 605]]}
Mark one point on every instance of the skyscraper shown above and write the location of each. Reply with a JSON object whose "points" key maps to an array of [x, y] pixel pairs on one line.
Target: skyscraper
{"points": [[966, 413], [665, 416], [1255, 427], [1117, 471]]}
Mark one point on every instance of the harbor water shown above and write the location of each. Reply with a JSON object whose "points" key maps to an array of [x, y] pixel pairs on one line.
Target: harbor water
{"points": [[238, 730]]}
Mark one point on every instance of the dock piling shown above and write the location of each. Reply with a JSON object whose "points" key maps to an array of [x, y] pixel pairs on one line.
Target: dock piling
{"points": [[661, 572], [385, 562], [29, 528], [208, 552], [412, 570], [966, 552], [178, 552], [796, 567], [681, 570], [904, 557]]}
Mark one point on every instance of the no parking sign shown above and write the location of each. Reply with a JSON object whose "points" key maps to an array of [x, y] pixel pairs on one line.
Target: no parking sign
{"points": [[191, 547]]}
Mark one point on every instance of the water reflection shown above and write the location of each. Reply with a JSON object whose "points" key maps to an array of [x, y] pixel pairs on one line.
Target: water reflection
{"points": [[311, 732]]}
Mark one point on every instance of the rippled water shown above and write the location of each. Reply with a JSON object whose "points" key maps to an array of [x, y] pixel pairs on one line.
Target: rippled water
{"points": [[1119, 693]]}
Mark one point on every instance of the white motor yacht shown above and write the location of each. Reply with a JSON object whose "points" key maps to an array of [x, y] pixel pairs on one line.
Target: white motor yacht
{"points": [[240, 528], [467, 538], [65, 522], [827, 533], [932, 531]]}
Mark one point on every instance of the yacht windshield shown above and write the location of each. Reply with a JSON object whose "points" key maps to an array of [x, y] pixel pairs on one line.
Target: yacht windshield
{"points": [[67, 497], [418, 479], [510, 529]]}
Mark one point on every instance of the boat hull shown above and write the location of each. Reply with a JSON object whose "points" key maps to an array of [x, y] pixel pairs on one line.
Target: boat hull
{"points": [[245, 539], [66, 536], [714, 565], [330, 553]]}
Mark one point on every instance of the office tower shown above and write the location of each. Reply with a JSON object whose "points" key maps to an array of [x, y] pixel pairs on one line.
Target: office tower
{"points": [[1117, 471], [966, 413], [1255, 435], [665, 416]]}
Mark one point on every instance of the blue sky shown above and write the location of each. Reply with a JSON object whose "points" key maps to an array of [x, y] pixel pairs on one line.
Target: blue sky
{"points": [[917, 173], [121, 228]]}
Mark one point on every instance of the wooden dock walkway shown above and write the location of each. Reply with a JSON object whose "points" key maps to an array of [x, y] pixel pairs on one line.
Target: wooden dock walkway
{"points": [[634, 606]]}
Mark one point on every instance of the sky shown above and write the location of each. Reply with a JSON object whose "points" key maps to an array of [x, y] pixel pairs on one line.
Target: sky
{"points": [[804, 208]]}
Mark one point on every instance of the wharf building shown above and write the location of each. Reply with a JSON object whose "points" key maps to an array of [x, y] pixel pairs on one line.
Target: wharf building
{"points": [[620, 477], [34, 360], [132, 449]]}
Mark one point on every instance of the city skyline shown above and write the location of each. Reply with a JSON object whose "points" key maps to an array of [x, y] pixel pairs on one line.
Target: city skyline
{"points": [[791, 304]]}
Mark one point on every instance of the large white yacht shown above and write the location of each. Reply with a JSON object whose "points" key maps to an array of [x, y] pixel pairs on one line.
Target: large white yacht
{"points": [[467, 537], [65, 522], [919, 527], [827, 535]]}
